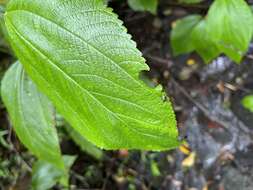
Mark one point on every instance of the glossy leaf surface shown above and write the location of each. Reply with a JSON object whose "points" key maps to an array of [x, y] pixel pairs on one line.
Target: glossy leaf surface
{"points": [[79, 54]]}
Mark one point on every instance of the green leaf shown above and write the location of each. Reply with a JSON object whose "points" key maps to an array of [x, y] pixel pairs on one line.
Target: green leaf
{"points": [[144, 5], [155, 168], [181, 34], [46, 175], [3, 142], [31, 114], [229, 24], [247, 102], [85, 145], [202, 43], [81, 57]]}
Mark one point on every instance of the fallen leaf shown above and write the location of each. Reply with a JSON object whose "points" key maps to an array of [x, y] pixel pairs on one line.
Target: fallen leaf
{"points": [[189, 161]]}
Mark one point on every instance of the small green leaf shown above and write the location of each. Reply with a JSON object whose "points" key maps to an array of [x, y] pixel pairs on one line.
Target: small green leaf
{"points": [[181, 34], [31, 114], [46, 175], [155, 168], [203, 44], [79, 54], [247, 102], [229, 24], [144, 5]]}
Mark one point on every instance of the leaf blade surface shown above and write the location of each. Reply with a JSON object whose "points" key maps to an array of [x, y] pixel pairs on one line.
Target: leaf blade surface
{"points": [[32, 115], [81, 57]]}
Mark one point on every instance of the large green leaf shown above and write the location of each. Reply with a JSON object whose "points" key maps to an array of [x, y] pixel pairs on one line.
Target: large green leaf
{"points": [[229, 24], [81, 57], [31, 114], [181, 40], [144, 5]]}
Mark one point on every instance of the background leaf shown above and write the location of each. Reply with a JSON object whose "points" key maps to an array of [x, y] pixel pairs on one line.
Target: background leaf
{"points": [[203, 44], [181, 34], [229, 24], [31, 115], [144, 5], [46, 175], [247, 102], [81, 57]]}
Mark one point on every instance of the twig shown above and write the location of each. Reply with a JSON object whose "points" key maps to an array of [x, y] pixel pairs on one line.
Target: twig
{"points": [[136, 17], [206, 112], [108, 174], [188, 96], [249, 56], [159, 60]]}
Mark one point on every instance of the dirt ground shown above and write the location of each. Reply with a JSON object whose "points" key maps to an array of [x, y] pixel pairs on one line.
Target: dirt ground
{"points": [[207, 100]]}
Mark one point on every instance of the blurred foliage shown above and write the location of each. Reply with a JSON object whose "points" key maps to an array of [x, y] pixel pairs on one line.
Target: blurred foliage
{"points": [[46, 175], [247, 102], [144, 5], [230, 36], [181, 34]]}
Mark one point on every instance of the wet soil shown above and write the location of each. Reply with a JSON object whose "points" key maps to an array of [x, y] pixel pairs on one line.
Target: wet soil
{"points": [[207, 100]]}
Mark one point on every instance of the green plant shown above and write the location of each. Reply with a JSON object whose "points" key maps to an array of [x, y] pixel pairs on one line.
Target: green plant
{"points": [[46, 175], [227, 28], [80, 56], [76, 58]]}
